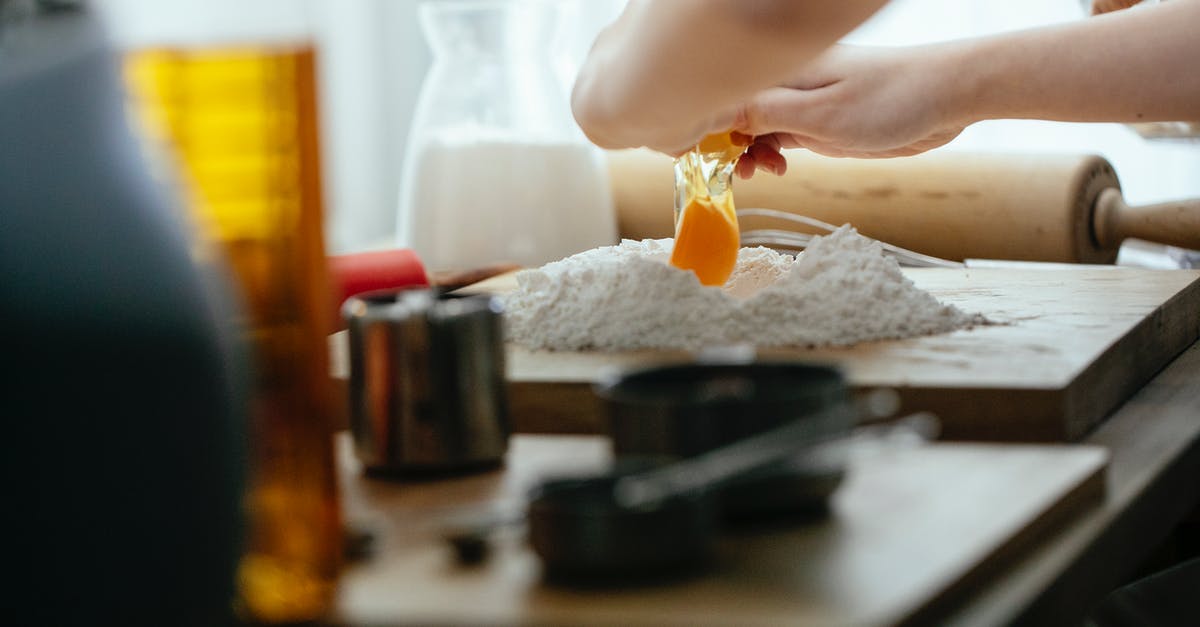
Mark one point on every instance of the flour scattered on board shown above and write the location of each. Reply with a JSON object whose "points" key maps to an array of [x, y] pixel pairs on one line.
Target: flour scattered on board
{"points": [[842, 290]]}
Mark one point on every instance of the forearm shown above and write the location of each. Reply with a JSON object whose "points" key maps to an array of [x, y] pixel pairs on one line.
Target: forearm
{"points": [[669, 67], [1140, 65]]}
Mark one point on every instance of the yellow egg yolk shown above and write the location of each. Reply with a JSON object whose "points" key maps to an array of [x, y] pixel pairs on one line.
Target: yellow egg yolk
{"points": [[706, 232], [707, 240]]}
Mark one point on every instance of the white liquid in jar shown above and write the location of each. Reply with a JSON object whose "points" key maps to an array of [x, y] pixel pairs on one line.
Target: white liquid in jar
{"points": [[472, 199]]}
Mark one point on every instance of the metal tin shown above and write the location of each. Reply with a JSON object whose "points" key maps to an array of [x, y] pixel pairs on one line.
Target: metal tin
{"points": [[426, 388]]}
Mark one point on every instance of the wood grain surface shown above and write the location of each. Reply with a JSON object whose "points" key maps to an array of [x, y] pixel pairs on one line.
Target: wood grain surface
{"points": [[911, 530], [1069, 346]]}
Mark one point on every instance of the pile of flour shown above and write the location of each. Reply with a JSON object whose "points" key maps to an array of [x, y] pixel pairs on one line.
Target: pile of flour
{"points": [[841, 290]]}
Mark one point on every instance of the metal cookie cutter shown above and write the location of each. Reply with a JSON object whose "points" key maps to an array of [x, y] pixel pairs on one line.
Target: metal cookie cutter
{"points": [[427, 391]]}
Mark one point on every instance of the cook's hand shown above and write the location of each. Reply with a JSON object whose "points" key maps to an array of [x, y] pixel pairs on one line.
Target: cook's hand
{"points": [[671, 135], [618, 104], [855, 102]]}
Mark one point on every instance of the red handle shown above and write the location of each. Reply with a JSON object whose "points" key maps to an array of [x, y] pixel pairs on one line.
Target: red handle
{"points": [[378, 270]]}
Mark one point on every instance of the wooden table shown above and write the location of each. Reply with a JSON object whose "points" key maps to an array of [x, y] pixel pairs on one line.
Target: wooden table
{"points": [[1048, 576], [1153, 484]]}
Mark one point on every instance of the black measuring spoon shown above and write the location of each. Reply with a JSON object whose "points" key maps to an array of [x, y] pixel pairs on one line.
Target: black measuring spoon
{"points": [[740, 429], [655, 520]]}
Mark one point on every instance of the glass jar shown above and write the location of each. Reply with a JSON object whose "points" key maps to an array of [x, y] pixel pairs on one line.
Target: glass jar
{"points": [[228, 90], [496, 170]]}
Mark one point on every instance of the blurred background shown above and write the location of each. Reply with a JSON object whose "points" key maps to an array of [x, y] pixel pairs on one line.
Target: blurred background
{"points": [[372, 58]]}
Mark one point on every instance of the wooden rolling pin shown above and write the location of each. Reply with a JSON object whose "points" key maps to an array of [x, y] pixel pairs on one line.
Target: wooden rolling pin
{"points": [[953, 205]]}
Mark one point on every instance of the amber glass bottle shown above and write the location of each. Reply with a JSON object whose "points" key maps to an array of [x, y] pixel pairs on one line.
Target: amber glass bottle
{"points": [[242, 124]]}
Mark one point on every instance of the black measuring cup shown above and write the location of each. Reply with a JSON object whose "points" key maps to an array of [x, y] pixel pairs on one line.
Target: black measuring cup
{"points": [[680, 411], [581, 532], [663, 517]]}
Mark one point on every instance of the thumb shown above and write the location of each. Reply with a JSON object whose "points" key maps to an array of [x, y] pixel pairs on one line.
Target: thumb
{"points": [[779, 110]]}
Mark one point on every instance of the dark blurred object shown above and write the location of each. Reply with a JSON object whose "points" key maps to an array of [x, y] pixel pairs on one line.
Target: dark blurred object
{"points": [[123, 458], [584, 536], [13, 12], [427, 389], [1165, 599]]}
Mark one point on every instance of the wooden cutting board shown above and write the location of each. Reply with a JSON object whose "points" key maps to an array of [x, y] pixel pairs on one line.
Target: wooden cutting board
{"points": [[911, 531], [1070, 345]]}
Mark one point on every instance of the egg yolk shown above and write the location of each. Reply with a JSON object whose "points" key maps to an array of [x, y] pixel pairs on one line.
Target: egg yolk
{"points": [[706, 231], [707, 239]]}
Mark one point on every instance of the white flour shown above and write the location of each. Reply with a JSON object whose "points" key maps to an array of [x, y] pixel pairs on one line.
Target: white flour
{"points": [[842, 290]]}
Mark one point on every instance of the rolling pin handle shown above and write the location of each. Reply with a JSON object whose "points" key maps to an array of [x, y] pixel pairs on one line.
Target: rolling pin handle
{"points": [[1106, 228], [1175, 223]]}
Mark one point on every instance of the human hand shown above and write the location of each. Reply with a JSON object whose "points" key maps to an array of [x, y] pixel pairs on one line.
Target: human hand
{"points": [[856, 102], [647, 80], [646, 127]]}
